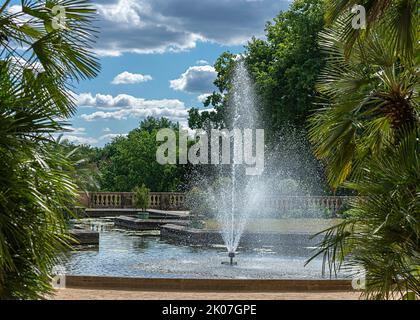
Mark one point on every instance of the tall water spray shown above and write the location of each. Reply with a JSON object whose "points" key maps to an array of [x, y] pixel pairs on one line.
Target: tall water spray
{"points": [[235, 195]]}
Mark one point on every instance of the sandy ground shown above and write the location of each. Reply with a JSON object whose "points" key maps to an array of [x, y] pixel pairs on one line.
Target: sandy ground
{"points": [[85, 294]]}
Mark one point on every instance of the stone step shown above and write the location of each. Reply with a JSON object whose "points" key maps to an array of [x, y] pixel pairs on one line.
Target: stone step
{"points": [[134, 223], [84, 237]]}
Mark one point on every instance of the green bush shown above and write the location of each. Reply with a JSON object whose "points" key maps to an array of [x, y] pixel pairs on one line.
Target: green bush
{"points": [[141, 197]]}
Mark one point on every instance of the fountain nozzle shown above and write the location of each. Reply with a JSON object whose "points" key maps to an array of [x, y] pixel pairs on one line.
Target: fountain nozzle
{"points": [[231, 255]]}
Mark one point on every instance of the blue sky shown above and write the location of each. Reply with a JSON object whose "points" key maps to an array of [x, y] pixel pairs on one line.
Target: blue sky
{"points": [[157, 58]]}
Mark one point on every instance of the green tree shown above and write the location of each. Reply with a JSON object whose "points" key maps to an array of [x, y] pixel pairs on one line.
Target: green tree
{"points": [[130, 161], [37, 65], [218, 100], [285, 68], [287, 65]]}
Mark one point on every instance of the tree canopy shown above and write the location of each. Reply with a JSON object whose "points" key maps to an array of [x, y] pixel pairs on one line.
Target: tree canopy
{"points": [[285, 68], [130, 161]]}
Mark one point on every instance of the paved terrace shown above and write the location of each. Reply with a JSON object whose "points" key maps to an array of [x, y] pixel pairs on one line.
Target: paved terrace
{"points": [[91, 294]]}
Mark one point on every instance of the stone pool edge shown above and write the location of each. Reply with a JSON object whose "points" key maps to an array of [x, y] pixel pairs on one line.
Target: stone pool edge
{"points": [[206, 285]]}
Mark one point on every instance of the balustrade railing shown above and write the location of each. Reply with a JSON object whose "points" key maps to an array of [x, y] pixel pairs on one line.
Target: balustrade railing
{"points": [[176, 201], [330, 204], [119, 200]]}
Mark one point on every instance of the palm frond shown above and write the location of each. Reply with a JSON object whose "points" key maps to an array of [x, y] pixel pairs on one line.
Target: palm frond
{"points": [[398, 17], [382, 231]]}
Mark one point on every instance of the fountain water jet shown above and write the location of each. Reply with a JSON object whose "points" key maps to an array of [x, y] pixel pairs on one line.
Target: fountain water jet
{"points": [[234, 207]]}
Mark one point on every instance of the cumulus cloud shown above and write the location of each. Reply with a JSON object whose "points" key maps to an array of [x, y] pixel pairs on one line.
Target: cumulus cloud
{"points": [[21, 63], [197, 79], [121, 101], [175, 115], [134, 26], [131, 78], [19, 17], [76, 130], [202, 62], [79, 139], [156, 26], [203, 97], [111, 136], [76, 135], [124, 106]]}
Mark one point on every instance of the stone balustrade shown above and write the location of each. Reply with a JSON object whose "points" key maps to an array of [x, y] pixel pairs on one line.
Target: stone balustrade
{"points": [[176, 201], [288, 202], [118, 200], [331, 204]]}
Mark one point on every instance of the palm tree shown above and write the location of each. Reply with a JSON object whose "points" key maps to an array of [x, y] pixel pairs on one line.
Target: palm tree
{"points": [[399, 17], [38, 64], [368, 99], [367, 133], [382, 232]]}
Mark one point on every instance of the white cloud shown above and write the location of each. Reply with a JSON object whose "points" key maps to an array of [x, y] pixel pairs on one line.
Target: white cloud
{"points": [[106, 130], [135, 26], [197, 79], [157, 26], [84, 99], [76, 130], [20, 63], [13, 9], [124, 106], [111, 136], [131, 78], [76, 135], [79, 140], [121, 101], [202, 62], [175, 115], [19, 17], [203, 97], [207, 110]]}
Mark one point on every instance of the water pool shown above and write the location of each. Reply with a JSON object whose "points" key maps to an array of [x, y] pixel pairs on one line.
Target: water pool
{"points": [[143, 254]]}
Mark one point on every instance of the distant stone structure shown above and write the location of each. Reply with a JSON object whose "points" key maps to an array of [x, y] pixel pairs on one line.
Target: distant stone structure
{"points": [[176, 201]]}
